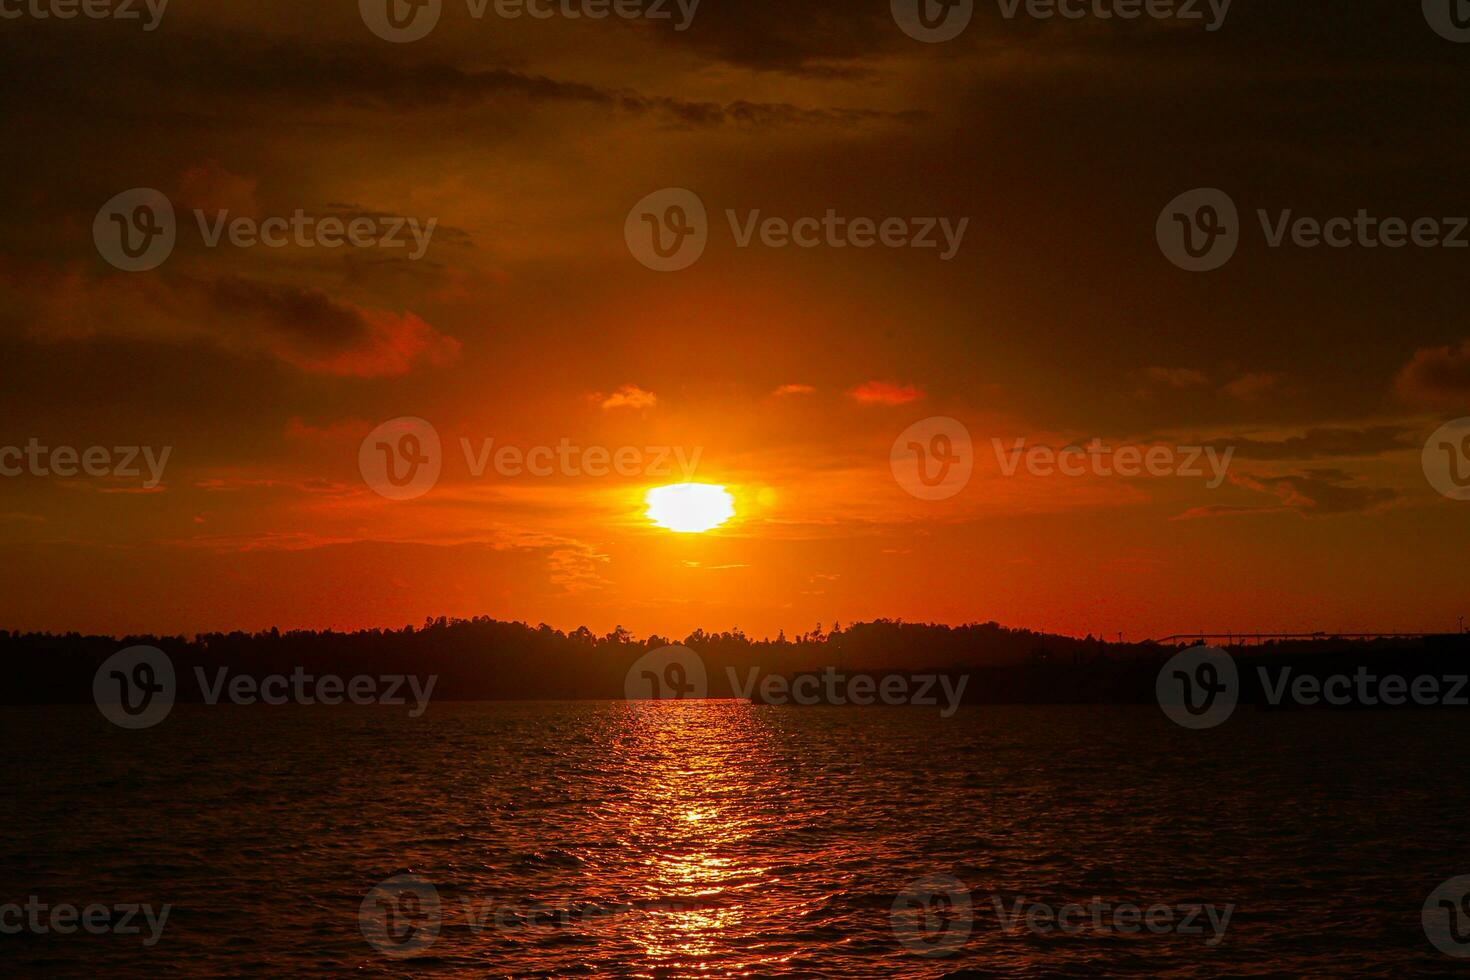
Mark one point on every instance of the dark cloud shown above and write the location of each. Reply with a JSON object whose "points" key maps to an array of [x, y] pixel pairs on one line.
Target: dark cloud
{"points": [[301, 326], [1323, 443], [1311, 493], [1438, 377], [301, 78]]}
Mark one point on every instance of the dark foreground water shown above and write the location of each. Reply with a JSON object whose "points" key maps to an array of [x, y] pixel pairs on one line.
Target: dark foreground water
{"points": [[722, 839]]}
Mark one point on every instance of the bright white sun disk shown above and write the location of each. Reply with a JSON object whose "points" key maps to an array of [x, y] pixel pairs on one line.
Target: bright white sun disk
{"points": [[689, 508]]}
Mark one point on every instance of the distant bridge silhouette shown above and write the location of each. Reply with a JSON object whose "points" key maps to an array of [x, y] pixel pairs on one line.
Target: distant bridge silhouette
{"points": [[1262, 637]]}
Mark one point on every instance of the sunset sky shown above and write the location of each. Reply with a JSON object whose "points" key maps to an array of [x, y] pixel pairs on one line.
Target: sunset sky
{"points": [[788, 373]]}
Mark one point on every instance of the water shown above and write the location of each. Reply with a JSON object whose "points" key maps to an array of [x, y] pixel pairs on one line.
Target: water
{"points": [[723, 839]]}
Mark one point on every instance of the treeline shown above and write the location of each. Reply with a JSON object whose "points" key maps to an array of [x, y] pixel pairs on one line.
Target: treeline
{"points": [[487, 659], [484, 658]]}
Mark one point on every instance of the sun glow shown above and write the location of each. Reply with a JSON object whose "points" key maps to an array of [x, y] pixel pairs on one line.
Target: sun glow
{"points": [[689, 508]]}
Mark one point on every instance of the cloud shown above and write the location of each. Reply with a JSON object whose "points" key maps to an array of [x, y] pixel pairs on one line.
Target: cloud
{"points": [[628, 396], [281, 74], [885, 393], [322, 335], [793, 390], [1323, 443], [303, 327], [1437, 377], [1249, 387], [1312, 493], [1175, 377], [1246, 388], [210, 187]]}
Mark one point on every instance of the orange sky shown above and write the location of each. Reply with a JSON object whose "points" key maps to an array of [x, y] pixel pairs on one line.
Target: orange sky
{"points": [[787, 372]]}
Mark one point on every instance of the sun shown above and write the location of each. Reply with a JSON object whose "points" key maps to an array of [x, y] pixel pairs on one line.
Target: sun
{"points": [[689, 508]]}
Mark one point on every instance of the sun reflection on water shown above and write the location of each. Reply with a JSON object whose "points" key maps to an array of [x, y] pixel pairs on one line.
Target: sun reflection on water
{"points": [[697, 805]]}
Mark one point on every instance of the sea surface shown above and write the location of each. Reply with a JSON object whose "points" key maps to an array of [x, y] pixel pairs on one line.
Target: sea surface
{"points": [[724, 839]]}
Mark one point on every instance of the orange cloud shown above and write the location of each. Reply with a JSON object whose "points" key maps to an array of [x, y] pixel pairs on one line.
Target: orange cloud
{"points": [[885, 393], [794, 390], [629, 396]]}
